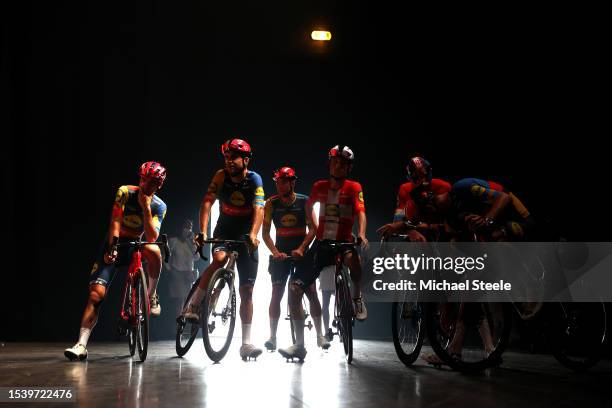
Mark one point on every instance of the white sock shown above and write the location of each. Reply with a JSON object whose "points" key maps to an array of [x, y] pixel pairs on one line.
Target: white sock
{"points": [[152, 285], [84, 336], [246, 333], [317, 324], [197, 297], [273, 327], [298, 326]]}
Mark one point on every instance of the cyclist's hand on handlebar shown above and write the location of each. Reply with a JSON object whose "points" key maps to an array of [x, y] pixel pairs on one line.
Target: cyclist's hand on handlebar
{"points": [[279, 256], [253, 241], [110, 256], [199, 239], [363, 242], [475, 221], [297, 253]]}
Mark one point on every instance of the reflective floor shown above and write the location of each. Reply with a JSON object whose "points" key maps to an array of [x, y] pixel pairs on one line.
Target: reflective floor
{"points": [[376, 378]]}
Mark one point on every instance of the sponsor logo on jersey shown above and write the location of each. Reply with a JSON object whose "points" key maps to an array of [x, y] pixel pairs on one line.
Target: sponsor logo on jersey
{"points": [[288, 220], [259, 191], [132, 221], [94, 268], [332, 210], [477, 190], [361, 196], [237, 199]]}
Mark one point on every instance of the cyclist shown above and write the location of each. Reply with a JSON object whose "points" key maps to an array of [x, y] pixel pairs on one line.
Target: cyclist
{"points": [[341, 201], [417, 203], [287, 210], [136, 211], [241, 196]]}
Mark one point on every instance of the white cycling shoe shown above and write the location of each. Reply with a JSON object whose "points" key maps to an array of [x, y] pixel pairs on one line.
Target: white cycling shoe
{"points": [[155, 306], [76, 352], [249, 351], [270, 344], [294, 351], [361, 313], [323, 343]]}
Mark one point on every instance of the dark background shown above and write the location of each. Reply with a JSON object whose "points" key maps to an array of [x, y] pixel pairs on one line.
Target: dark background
{"points": [[90, 91]]}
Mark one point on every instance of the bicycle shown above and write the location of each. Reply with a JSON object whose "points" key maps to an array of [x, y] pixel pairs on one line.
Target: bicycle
{"points": [[218, 306], [344, 312], [577, 331], [309, 325], [135, 308]]}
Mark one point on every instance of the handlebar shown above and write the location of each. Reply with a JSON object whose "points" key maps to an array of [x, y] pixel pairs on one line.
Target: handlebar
{"points": [[163, 243]]}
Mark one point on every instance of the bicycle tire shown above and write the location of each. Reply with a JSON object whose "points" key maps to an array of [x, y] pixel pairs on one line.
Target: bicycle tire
{"points": [[493, 359], [403, 320], [183, 343], [344, 311], [127, 307], [142, 318], [224, 276], [576, 329]]}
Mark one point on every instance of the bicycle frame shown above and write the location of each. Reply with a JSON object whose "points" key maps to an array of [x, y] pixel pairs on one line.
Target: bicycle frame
{"points": [[135, 266]]}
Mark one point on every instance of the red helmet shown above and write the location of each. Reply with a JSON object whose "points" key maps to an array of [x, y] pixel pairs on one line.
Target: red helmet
{"points": [[341, 151], [224, 147], [153, 170], [419, 168], [286, 172], [239, 146]]}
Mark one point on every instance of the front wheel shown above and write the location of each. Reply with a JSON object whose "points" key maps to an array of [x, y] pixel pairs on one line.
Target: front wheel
{"points": [[142, 315], [344, 315], [219, 314], [186, 331]]}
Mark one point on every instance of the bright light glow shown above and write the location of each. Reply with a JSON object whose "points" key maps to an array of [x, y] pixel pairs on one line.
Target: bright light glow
{"points": [[321, 36]]}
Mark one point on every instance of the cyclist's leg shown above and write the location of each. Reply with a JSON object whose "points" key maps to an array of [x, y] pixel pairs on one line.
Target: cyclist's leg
{"points": [[152, 254], [353, 262], [279, 272], [326, 296], [219, 257], [247, 274]]}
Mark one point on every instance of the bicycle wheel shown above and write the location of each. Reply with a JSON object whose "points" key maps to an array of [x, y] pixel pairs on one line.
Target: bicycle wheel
{"points": [[469, 337], [344, 315], [142, 315], [407, 330], [186, 331], [579, 333], [219, 310]]}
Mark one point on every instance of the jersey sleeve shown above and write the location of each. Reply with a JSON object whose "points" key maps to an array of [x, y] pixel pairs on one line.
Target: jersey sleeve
{"points": [[121, 198], [358, 201], [258, 194], [214, 188], [160, 214], [475, 189], [312, 199], [400, 207]]}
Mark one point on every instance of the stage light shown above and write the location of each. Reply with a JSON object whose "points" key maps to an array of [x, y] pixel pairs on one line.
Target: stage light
{"points": [[321, 35]]}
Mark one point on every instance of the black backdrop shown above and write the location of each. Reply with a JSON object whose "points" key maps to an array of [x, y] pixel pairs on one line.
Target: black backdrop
{"points": [[91, 91]]}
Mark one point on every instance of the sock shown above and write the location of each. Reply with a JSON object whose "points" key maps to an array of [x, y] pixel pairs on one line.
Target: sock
{"points": [[197, 297], [152, 285], [273, 327], [298, 326], [325, 309], [317, 324], [246, 333], [84, 336]]}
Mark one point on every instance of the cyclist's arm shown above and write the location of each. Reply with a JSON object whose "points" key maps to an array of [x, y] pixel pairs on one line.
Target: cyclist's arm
{"points": [[151, 224], [258, 206], [114, 229], [205, 215], [311, 224], [500, 203], [267, 225], [359, 206]]}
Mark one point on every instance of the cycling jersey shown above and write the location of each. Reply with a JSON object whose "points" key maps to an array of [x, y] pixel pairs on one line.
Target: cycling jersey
{"points": [[406, 207], [236, 203], [338, 209], [128, 210], [289, 221], [475, 196]]}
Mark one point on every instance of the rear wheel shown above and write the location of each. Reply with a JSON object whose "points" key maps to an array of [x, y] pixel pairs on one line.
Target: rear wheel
{"points": [[186, 331], [219, 314], [469, 337], [408, 330], [142, 315]]}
